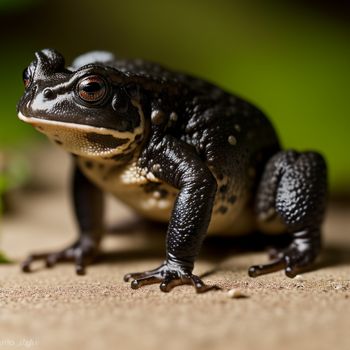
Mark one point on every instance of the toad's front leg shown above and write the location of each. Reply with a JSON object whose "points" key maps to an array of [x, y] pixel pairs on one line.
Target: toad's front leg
{"points": [[177, 164]]}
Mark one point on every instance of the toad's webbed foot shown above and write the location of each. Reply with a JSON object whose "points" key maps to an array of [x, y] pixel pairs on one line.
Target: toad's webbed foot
{"points": [[82, 253], [295, 259], [169, 277]]}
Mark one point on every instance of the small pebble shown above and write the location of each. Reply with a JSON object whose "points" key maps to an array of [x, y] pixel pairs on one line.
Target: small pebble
{"points": [[236, 293], [299, 277]]}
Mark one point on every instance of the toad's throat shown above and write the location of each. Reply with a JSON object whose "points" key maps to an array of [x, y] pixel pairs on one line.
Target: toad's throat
{"points": [[86, 140]]}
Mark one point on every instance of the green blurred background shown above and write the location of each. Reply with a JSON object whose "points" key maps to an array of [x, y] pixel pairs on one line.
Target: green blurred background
{"points": [[291, 58]]}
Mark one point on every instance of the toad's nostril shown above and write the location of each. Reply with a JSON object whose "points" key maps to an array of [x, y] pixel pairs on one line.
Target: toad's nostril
{"points": [[48, 93]]}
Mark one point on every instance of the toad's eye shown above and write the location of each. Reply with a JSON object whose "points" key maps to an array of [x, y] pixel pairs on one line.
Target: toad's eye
{"points": [[27, 77], [92, 88]]}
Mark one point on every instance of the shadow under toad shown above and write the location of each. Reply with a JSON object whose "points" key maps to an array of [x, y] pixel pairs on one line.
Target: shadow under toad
{"points": [[147, 241], [333, 255]]}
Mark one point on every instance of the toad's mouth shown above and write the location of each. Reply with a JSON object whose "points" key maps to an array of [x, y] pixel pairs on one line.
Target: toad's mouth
{"points": [[85, 140]]}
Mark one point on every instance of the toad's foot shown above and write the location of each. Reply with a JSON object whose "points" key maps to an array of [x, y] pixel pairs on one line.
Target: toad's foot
{"points": [[82, 252], [169, 277], [295, 259]]}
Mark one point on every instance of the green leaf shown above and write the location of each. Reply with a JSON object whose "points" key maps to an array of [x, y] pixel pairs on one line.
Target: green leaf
{"points": [[4, 259]]}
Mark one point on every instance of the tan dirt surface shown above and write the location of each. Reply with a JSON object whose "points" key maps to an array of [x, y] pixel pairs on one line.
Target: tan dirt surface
{"points": [[56, 309]]}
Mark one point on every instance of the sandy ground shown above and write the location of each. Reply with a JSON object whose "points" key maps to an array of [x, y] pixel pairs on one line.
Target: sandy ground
{"points": [[55, 309]]}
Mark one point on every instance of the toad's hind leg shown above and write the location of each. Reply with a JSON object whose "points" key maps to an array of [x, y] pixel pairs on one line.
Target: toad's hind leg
{"points": [[293, 187]]}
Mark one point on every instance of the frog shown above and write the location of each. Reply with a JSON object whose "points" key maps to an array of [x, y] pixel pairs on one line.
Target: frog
{"points": [[176, 149]]}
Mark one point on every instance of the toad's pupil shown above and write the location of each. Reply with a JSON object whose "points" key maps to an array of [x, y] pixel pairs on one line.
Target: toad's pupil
{"points": [[92, 87]]}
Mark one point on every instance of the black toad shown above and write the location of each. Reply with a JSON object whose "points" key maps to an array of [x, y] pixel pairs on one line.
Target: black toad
{"points": [[177, 149]]}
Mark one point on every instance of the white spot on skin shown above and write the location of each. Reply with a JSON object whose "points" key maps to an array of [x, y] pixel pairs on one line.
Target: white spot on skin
{"points": [[196, 109], [232, 140], [157, 117], [156, 194], [173, 116], [156, 167]]}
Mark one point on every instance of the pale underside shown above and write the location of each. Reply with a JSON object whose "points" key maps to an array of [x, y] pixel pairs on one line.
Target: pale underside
{"points": [[127, 185]]}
